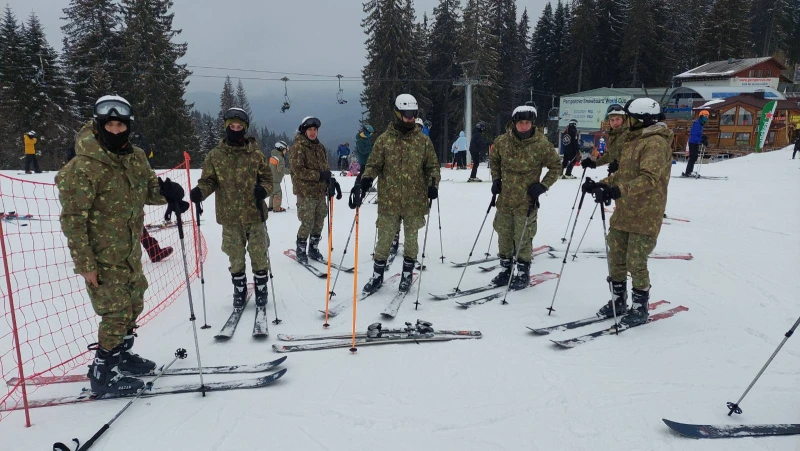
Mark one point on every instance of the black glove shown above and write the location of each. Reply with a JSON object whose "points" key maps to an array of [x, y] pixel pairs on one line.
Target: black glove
{"points": [[355, 196], [497, 186], [613, 167], [325, 176], [170, 190], [334, 189], [704, 140], [195, 195], [604, 194], [588, 163], [182, 204], [433, 192], [260, 192], [536, 190], [366, 184], [589, 185]]}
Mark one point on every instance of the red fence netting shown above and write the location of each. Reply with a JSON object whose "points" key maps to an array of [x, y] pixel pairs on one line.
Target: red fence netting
{"points": [[46, 318]]}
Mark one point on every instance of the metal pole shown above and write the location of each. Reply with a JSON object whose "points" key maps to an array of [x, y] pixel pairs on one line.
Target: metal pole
{"points": [[468, 118]]}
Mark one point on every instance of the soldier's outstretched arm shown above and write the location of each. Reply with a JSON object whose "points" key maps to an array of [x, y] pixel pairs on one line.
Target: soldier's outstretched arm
{"points": [[208, 181], [553, 164], [77, 194], [651, 167]]}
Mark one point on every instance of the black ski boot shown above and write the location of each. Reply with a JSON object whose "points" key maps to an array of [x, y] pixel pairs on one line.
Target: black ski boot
{"points": [[239, 290], [522, 277], [105, 377], [300, 252], [395, 244], [377, 277], [313, 249], [131, 364], [406, 277], [260, 280], [619, 300], [640, 310], [501, 279]]}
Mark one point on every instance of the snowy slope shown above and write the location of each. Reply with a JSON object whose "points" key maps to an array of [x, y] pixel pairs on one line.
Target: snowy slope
{"points": [[510, 390]]}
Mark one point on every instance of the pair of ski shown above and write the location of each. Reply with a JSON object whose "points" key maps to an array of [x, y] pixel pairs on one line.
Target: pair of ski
{"points": [[613, 330], [536, 251], [313, 269], [706, 177], [260, 323], [535, 279], [732, 430], [87, 395]]}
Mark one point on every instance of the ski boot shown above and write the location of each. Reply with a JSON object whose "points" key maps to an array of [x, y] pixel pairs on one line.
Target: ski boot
{"points": [[521, 278], [374, 330], [395, 244], [406, 277], [131, 364], [474, 179], [300, 252], [377, 277], [313, 249], [260, 281], [239, 290], [501, 279], [619, 300], [640, 310], [105, 377]]}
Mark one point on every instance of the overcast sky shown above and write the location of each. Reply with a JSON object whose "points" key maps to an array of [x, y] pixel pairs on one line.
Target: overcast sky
{"points": [[285, 36]]}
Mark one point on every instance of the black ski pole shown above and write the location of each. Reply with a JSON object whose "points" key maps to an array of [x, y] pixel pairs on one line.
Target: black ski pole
{"points": [[532, 207], [339, 269], [469, 257], [198, 212], [575, 255], [441, 243], [564, 239], [608, 261], [491, 237], [734, 407], [424, 245], [179, 354], [564, 262], [260, 206]]}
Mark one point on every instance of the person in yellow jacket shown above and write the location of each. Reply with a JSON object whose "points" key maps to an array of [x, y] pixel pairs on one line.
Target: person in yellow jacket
{"points": [[30, 140]]}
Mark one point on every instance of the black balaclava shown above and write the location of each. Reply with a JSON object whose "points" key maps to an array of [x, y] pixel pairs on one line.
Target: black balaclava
{"points": [[115, 143], [235, 138], [404, 127]]}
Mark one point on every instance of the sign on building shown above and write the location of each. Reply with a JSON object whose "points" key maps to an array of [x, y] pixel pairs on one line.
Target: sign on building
{"points": [[589, 111], [771, 82]]}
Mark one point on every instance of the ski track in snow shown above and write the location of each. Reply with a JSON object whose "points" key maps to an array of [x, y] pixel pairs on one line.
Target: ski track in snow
{"points": [[510, 390]]}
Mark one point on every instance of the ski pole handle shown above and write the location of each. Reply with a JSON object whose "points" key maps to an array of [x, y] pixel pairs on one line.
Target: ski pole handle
{"points": [[493, 203], [176, 208]]}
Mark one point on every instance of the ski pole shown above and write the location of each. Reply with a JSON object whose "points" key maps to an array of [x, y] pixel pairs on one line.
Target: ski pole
{"points": [[608, 264], [491, 237], [734, 407], [533, 206], [424, 245], [441, 243], [355, 202], [702, 154], [286, 191], [198, 212], [564, 262], [260, 206], [330, 252], [179, 354], [575, 255], [346, 246], [469, 257], [564, 239]]}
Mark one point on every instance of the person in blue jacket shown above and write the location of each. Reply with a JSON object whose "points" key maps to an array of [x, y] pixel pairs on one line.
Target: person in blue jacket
{"points": [[344, 154], [695, 138], [459, 150]]}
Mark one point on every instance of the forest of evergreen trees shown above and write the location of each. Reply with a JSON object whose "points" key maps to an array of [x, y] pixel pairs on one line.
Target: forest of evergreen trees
{"points": [[575, 45]]}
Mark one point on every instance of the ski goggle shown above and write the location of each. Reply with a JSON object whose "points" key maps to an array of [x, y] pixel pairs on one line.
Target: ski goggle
{"points": [[235, 113], [526, 115], [311, 122], [113, 108], [615, 109], [408, 114]]}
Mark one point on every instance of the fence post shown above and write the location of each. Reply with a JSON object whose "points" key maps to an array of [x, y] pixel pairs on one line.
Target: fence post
{"points": [[187, 159], [14, 330]]}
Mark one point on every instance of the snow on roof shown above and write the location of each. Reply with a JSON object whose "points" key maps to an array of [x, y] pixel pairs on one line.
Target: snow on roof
{"points": [[709, 103], [723, 92], [722, 68]]}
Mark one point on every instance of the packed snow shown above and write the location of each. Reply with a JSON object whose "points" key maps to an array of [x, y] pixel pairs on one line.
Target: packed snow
{"points": [[511, 389]]}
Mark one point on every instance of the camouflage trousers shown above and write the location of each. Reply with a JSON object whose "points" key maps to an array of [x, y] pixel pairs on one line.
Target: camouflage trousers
{"points": [[509, 229], [277, 194], [251, 238], [627, 253], [312, 213], [118, 301], [389, 225]]}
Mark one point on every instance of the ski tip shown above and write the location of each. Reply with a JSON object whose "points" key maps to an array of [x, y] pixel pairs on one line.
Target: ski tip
{"points": [[222, 337], [539, 331], [563, 344], [278, 361], [279, 348]]}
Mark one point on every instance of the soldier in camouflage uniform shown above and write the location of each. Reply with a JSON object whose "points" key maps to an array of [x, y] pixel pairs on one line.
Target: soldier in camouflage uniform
{"points": [[639, 188], [516, 163], [277, 164], [616, 137], [405, 160], [312, 181], [103, 191], [236, 170]]}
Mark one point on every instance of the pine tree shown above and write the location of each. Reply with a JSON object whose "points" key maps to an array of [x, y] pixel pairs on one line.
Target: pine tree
{"points": [[443, 67], [646, 55], [725, 36], [413, 67], [771, 25], [541, 51], [583, 46], [511, 51], [612, 21], [559, 49], [13, 102], [523, 37], [242, 102], [227, 100]]}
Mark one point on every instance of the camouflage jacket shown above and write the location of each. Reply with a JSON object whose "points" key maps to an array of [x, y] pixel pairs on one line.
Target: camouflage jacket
{"points": [[519, 163], [277, 166], [232, 172], [307, 160], [616, 139], [102, 204], [644, 169], [406, 164]]}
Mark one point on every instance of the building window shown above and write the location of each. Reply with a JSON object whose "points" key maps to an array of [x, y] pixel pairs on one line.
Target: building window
{"points": [[745, 117], [728, 117], [770, 138], [760, 73], [769, 72], [742, 138], [726, 135], [752, 73]]}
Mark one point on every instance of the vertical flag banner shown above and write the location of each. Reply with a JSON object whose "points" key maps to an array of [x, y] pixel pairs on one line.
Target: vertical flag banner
{"points": [[764, 123]]}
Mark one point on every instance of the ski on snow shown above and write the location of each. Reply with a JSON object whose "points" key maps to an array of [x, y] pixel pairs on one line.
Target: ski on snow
{"points": [[290, 253], [339, 307], [393, 307], [536, 251], [581, 322], [226, 369], [230, 325], [490, 286], [535, 279], [732, 430], [87, 395], [387, 339], [345, 336], [260, 323], [572, 342]]}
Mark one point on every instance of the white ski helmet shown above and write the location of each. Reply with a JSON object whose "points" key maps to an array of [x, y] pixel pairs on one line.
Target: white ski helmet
{"points": [[31, 133], [524, 113], [405, 105], [280, 145], [615, 109], [602, 140], [419, 122], [643, 109], [113, 106]]}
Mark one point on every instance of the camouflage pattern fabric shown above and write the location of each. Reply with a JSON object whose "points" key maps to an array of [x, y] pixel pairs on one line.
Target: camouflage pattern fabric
{"points": [[406, 164], [363, 149], [307, 160], [616, 140], [644, 169], [509, 230], [389, 225], [237, 237], [102, 199], [519, 163], [277, 165], [312, 213], [232, 172], [627, 253]]}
